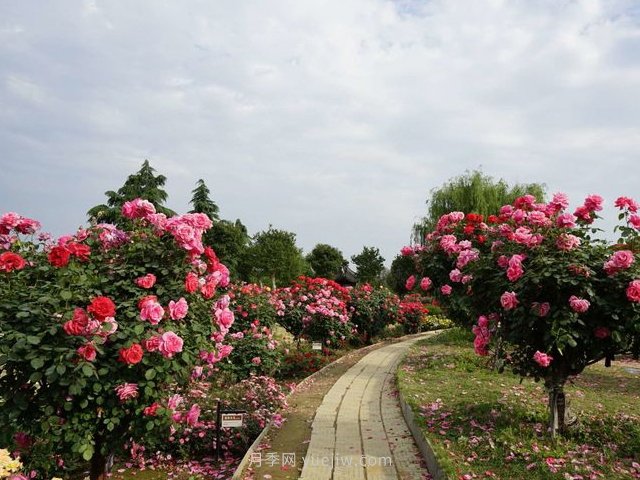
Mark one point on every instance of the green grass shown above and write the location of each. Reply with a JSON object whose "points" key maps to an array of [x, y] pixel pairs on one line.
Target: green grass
{"points": [[490, 425]]}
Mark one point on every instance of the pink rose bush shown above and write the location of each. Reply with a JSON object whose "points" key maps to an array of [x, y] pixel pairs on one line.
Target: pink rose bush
{"points": [[539, 284], [99, 327], [315, 309]]}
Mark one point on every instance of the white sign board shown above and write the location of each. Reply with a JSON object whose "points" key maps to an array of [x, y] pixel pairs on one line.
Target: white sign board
{"points": [[232, 420], [316, 346]]}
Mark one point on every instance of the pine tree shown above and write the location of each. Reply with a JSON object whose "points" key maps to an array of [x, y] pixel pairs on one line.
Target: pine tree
{"points": [[202, 203], [142, 184]]}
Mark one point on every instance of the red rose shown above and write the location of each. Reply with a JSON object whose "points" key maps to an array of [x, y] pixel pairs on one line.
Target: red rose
{"points": [[88, 352], [59, 256], [151, 410], [10, 261], [79, 250], [212, 259], [151, 344], [191, 283], [101, 308], [148, 281], [131, 355]]}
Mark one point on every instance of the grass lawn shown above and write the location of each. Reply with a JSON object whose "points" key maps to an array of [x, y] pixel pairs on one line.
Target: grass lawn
{"points": [[483, 424]]}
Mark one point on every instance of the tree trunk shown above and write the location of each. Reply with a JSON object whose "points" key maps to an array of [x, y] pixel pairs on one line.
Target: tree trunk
{"points": [[557, 409], [98, 466], [273, 282]]}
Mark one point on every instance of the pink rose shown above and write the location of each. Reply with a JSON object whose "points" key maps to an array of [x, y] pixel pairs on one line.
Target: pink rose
{"points": [[152, 312], [633, 291], [174, 401], [407, 251], [148, 281], [626, 203], [192, 415], [620, 260], [578, 304], [455, 275], [446, 289], [634, 220], [178, 310], [509, 300], [224, 318], [542, 359], [425, 283], [88, 352], [566, 220], [567, 242], [593, 203], [410, 283], [541, 309], [256, 360], [170, 344], [127, 391]]}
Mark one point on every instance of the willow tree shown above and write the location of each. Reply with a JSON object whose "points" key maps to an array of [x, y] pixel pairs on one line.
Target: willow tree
{"points": [[471, 192]]}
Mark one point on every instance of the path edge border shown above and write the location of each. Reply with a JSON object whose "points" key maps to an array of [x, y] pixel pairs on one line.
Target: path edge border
{"points": [[237, 474], [422, 442]]}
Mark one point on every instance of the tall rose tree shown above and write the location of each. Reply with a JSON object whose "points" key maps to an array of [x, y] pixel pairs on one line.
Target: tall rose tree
{"points": [[98, 328], [547, 298]]}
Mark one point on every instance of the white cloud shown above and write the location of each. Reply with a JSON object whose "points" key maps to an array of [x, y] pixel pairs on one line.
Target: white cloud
{"points": [[332, 119]]}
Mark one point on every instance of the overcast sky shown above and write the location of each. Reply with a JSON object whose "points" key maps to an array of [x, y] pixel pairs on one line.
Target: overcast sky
{"points": [[332, 118]]}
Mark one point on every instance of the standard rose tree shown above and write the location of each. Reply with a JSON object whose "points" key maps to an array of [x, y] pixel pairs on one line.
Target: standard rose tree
{"points": [[98, 328], [546, 298]]}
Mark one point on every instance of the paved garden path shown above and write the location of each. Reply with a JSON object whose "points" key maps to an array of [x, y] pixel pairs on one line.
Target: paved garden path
{"points": [[359, 432]]}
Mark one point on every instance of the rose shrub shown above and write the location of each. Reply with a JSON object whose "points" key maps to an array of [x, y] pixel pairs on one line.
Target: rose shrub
{"points": [[315, 309], [372, 309], [549, 298], [98, 328]]}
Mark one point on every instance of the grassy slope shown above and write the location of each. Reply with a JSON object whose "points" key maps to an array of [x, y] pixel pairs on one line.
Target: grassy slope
{"points": [[488, 425]]}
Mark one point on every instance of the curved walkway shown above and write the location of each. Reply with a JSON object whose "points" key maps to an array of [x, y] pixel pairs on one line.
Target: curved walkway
{"points": [[358, 432]]}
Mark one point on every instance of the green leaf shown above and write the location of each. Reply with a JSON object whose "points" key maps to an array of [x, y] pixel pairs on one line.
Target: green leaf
{"points": [[66, 295], [33, 340], [88, 452], [60, 369], [87, 370], [23, 315], [138, 329], [150, 374], [37, 363]]}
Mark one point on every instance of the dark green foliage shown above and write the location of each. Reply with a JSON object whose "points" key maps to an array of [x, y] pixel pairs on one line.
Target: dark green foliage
{"points": [[202, 203], [369, 264], [326, 261], [273, 258], [402, 268]]}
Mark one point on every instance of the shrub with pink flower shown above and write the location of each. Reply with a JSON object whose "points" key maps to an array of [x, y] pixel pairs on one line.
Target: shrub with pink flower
{"points": [[315, 309], [89, 350], [550, 285]]}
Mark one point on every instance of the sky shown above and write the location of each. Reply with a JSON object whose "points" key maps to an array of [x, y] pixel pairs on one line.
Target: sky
{"points": [[333, 119]]}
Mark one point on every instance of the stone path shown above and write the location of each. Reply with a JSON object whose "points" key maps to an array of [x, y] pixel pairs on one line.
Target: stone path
{"points": [[359, 432]]}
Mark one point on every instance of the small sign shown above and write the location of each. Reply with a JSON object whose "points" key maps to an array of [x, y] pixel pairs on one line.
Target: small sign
{"points": [[232, 420], [316, 346]]}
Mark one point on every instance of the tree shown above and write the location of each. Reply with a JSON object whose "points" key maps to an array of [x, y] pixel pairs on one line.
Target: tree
{"points": [[142, 184], [326, 261], [369, 264], [402, 268], [229, 240], [473, 192], [202, 203], [273, 257]]}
